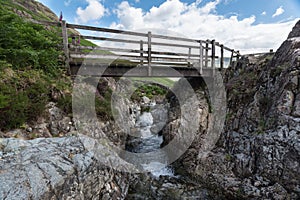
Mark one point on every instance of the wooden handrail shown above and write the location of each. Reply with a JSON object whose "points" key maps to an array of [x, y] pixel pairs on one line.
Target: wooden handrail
{"points": [[207, 50]]}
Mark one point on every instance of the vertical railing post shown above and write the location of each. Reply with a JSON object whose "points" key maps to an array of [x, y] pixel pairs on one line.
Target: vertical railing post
{"points": [[213, 55], [149, 54], [189, 57], [141, 53], [231, 58], [73, 40], [206, 53], [66, 45], [222, 56], [201, 59]]}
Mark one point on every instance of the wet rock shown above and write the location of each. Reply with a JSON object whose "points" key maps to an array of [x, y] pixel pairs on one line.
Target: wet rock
{"points": [[144, 120], [146, 100]]}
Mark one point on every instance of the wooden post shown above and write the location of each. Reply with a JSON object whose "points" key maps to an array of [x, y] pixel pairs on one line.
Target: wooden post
{"points": [[213, 53], [238, 56], [206, 53], [189, 57], [222, 57], [231, 58], [141, 53], [66, 45], [201, 59], [213, 56], [73, 40], [149, 54]]}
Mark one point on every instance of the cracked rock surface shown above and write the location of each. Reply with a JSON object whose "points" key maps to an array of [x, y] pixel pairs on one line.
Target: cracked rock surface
{"points": [[58, 168]]}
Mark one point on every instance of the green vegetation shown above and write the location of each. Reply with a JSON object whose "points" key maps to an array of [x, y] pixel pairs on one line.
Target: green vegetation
{"points": [[26, 45], [277, 70], [163, 81], [228, 157], [149, 91], [30, 70], [103, 106]]}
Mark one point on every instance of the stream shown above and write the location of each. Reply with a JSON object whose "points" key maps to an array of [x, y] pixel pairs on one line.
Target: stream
{"points": [[159, 182]]}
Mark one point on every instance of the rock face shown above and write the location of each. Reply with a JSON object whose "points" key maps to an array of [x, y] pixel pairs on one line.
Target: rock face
{"points": [[58, 168], [258, 154], [186, 112]]}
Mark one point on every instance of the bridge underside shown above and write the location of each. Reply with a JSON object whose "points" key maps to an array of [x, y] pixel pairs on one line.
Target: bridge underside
{"points": [[118, 70]]}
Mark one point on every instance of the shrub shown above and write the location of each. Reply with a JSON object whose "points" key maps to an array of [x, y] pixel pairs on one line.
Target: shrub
{"points": [[23, 96], [103, 106], [27, 45]]}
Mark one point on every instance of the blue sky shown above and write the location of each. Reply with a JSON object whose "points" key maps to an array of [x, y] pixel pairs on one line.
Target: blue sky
{"points": [[248, 25]]}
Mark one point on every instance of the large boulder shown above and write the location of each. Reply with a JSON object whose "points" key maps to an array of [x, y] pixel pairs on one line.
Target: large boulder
{"points": [[59, 168]]}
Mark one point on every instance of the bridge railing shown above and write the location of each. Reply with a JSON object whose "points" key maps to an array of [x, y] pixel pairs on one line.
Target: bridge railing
{"points": [[143, 49]]}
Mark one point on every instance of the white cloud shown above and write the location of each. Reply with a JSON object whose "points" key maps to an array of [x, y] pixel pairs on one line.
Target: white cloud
{"points": [[264, 13], [67, 2], [210, 6], [94, 11], [137, 1], [202, 22], [278, 12]]}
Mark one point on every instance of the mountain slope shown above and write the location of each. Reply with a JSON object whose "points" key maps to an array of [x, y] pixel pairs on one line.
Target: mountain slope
{"points": [[29, 9], [31, 69]]}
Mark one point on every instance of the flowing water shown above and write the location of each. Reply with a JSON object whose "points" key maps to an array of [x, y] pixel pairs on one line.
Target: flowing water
{"points": [[160, 181], [146, 142]]}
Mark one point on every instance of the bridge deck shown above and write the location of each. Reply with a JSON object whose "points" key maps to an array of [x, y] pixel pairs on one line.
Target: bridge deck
{"points": [[119, 70]]}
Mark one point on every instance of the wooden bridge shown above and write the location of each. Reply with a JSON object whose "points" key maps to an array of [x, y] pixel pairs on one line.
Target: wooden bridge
{"points": [[128, 53]]}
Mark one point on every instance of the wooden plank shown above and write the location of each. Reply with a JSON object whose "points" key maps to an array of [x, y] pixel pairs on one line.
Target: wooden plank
{"points": [[106, 56], [107, 49], [228, 49], [153, 63], [231, 58], [174, 38], [173, 54], [109, 39], [107, 30], [206, 54], [201, 58], [174, 45], [222, 57], [123, 71], [189, 56], [149, 54], [213, 55], [141, 53], [169, 59], [65, 44]]}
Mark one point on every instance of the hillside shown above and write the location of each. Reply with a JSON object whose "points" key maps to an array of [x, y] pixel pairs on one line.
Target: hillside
{"points": [[31, 65]]}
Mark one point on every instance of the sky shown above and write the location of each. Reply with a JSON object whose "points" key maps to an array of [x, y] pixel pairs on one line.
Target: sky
{"points": [[246, 25]]}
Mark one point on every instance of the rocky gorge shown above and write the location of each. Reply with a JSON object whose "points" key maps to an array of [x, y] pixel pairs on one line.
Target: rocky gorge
{"points": [[255, 156]]}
